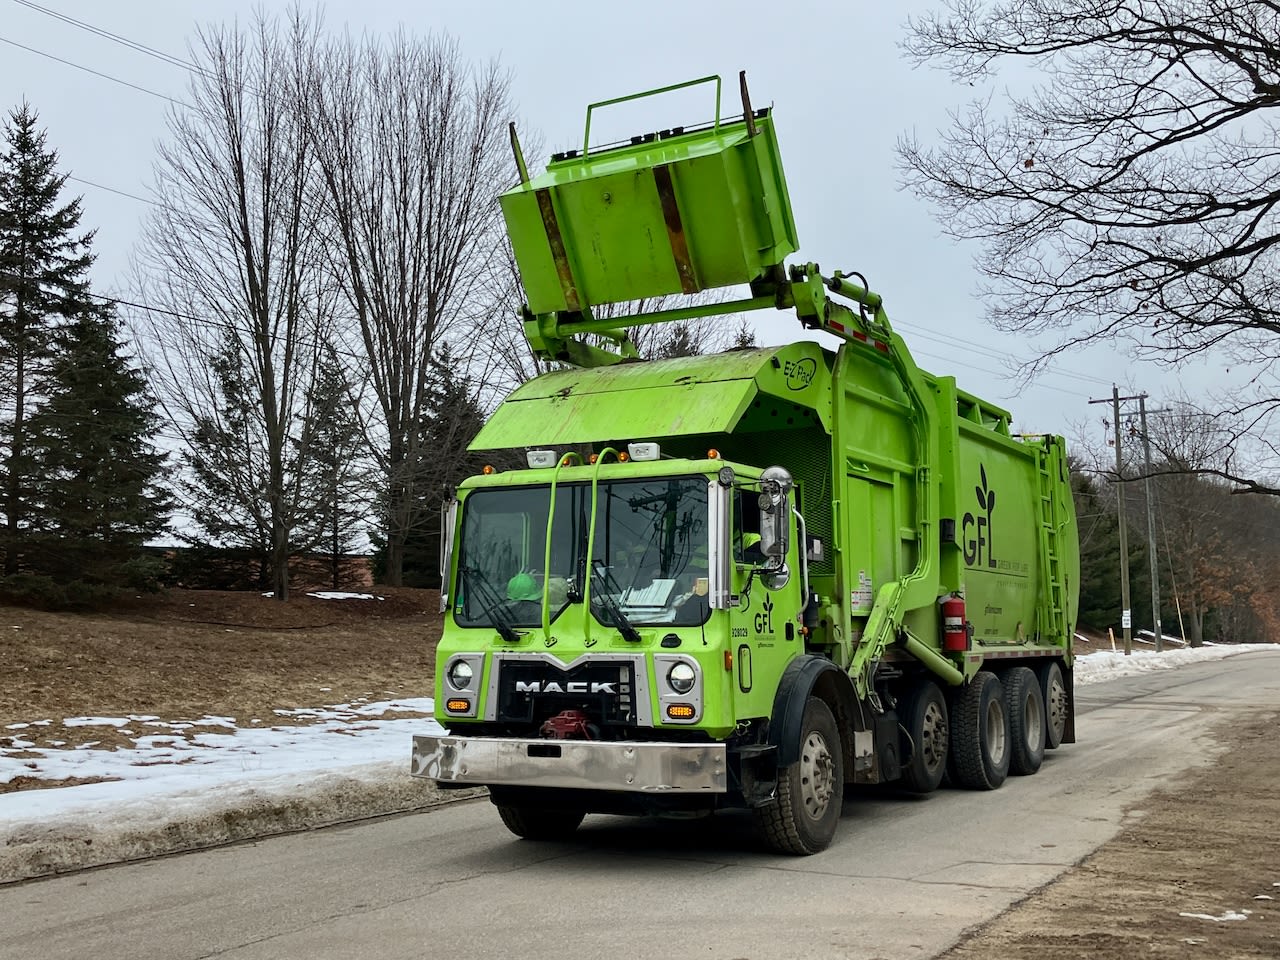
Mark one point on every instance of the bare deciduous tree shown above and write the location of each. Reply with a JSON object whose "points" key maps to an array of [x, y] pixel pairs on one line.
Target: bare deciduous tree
{"points": [[232, 251], [1133, 193], [412, 150]]}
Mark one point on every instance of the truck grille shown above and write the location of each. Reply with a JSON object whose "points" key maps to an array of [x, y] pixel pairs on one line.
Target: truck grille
{"points": [[532, 690]]}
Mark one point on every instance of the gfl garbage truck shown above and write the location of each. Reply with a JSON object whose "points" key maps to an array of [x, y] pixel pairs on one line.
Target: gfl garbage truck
{"points": [[740, 580]]}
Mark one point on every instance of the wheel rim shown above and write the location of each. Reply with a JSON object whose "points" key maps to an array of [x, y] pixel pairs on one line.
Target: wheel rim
{"points": [[817, 776], [933, 736], [995, 732], [1057, 708], [1032, 722]]}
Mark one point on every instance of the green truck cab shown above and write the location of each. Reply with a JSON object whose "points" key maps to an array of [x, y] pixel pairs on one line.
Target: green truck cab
{"points": [[746, 579]]}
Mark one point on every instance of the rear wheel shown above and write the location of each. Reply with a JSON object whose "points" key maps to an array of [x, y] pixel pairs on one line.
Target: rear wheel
{"points": [[1054, 690], [1025, 705], [925, 720], [803, 817], [980, 734], [527, 818]]}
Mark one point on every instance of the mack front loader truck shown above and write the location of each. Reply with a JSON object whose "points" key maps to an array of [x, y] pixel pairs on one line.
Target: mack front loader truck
{"points": [[742, 580]]}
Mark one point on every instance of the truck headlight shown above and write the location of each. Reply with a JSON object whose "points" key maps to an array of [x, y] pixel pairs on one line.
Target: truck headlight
{"points": [[460, 675], [682, 677]]}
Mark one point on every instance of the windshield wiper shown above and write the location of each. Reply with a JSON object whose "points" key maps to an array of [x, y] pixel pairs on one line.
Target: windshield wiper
{"points": [[611, 606], [491, 603]]}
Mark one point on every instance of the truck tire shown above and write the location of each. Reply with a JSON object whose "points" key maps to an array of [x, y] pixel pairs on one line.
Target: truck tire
{"points": [[925, 720], [803, 816], [528, 819], [980, 734], [1054, 691], [1025, 705]]}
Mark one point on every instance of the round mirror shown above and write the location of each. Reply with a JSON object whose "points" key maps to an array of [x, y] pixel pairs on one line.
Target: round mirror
{"points": [[775, 579]]}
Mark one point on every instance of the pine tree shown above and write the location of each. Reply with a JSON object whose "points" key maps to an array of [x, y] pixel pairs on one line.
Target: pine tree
{"points": [[225, 474], [43, 283], [454, 418], [335, 441], [97, 496]]}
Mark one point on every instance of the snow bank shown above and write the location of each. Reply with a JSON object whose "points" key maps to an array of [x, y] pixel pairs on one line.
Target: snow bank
{"points": [[1105, 665]]}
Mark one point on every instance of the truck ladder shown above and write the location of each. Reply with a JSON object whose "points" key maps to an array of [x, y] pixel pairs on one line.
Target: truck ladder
{"points": [[1053, 615]]}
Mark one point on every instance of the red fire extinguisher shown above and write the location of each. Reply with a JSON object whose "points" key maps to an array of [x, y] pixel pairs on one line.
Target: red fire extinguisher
{"points": [[955, 632]]}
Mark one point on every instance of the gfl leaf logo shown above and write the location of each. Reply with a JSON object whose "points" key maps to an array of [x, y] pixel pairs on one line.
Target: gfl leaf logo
{"points": [[976, 530]]}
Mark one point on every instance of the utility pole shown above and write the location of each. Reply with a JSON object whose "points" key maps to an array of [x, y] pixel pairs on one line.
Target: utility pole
{"points": [[1126, 611], [1151, 525]]}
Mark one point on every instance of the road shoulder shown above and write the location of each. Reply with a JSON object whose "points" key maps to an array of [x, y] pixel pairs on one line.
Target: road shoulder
{"points": [[1195, 873]]}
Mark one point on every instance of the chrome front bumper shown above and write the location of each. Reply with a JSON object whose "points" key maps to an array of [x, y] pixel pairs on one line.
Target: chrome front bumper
{"points": [[575, 764]]}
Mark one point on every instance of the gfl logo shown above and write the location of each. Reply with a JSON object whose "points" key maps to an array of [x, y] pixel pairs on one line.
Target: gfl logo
{"points": [[976, 530], [764, 619]]}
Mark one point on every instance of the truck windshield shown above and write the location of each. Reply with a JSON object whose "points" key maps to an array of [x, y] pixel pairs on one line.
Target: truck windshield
{"points": [[649, 564]]}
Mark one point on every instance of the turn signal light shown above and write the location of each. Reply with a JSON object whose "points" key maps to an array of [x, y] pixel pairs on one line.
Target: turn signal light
{"points": [[713, 454], [488, 470], [457, 706], [680, 711]]}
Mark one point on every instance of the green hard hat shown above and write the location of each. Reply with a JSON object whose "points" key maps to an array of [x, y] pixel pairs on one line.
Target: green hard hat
{"points": [[523, 587]]}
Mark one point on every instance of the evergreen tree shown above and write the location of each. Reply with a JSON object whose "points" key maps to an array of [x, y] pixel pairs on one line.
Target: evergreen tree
{"points": [[454, 418], [96, 495], [43, 283], [335, 440], [1099, 526], [226, 473]]}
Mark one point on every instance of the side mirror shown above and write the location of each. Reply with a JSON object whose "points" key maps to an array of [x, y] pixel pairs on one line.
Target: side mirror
{"points": [[775, 516]]}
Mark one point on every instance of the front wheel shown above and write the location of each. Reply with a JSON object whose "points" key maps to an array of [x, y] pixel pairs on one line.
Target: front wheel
{"points": [[803, 817], [530, 820]]}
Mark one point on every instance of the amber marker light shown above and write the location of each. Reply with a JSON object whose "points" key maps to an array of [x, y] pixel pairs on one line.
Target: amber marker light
{"points": [[593, 458], [624, 457], [488, 470], [713, 454], [680, 711], [728, 659], [457, 706]]}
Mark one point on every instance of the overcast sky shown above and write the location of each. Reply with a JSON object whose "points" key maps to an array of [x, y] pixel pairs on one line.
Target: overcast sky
{"points": [[833, 70]]}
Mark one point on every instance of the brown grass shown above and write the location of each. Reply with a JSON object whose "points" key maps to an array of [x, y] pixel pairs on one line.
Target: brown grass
{"points": [[196, 653]]}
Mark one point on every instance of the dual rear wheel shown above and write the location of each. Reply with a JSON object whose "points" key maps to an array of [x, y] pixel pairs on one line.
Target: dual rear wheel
{"points": [[992, 727], [1000, 726]]}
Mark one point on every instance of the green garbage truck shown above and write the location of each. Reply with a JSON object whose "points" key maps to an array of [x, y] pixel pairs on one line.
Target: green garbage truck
{"points": [[741, 580]]}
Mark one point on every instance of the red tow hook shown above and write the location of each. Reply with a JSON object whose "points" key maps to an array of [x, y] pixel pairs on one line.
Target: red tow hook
{"points": [[567, 725]]}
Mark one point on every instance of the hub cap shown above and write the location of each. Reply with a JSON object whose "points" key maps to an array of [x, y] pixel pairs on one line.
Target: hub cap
{"points": [[817, 776], [1057, 708], [933, 736], [995, 732]]}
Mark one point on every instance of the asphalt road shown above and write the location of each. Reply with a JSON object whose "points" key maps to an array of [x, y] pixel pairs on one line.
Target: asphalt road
{"points": [[905, 877]]}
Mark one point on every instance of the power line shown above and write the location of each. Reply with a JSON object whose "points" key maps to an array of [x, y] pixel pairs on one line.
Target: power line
{"points": [[96, 73], [123, 193], [968, 344], [202, 321], [114, 37], [941, 338]]}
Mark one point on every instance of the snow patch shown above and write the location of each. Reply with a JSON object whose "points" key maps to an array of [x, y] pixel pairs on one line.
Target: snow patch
{"points": [[1227, 917]]}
